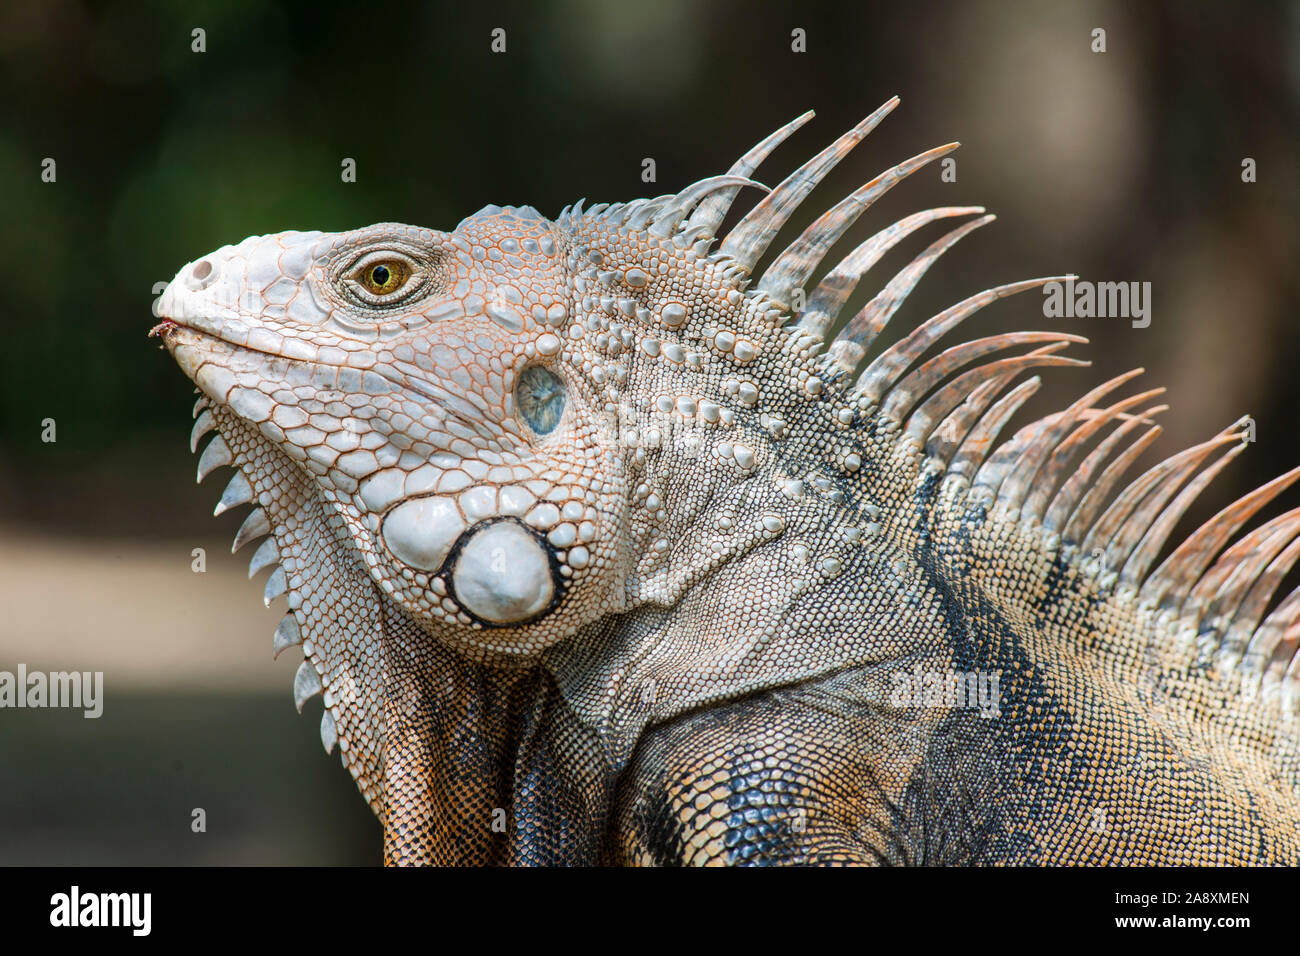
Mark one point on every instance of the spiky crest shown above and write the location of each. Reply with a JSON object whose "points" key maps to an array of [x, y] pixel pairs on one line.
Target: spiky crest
{"points": [[952, 415]]}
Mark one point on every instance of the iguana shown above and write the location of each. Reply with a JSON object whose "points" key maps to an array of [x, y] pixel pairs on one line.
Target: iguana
{"points": [[602, 549]]}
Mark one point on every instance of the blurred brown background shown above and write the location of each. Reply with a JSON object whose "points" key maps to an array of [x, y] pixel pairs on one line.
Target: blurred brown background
{"points": [[1122, 166]]}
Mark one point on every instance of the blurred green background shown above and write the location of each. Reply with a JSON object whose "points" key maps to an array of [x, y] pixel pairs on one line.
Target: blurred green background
{"points": [[1120, 166]]}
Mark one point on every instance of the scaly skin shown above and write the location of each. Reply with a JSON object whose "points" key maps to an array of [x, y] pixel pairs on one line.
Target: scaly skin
{"points": [[598, 557]]}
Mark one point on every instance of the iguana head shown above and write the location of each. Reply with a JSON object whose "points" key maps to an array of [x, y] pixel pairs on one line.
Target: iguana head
{"points": [[429, 386]]}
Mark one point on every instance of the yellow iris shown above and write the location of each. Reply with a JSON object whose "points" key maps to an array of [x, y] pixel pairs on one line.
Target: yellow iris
{"points": [[384, 278]]}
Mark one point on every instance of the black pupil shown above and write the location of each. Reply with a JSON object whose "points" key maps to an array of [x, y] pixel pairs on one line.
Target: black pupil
{"points": [[379, 275]]}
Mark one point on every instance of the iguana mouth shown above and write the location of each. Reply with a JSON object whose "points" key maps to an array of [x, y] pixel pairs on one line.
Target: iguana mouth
{"points": [[169, 327]]}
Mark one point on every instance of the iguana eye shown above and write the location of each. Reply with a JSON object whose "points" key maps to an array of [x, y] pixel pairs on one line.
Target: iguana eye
{"points": [[540, 397], [384, 277]]}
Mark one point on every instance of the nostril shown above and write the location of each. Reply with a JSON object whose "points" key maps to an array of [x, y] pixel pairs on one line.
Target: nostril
{"points": [[201, 275]]}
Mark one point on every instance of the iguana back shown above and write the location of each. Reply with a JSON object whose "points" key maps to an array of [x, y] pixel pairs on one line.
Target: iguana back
{"points": [[600, 548]]}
